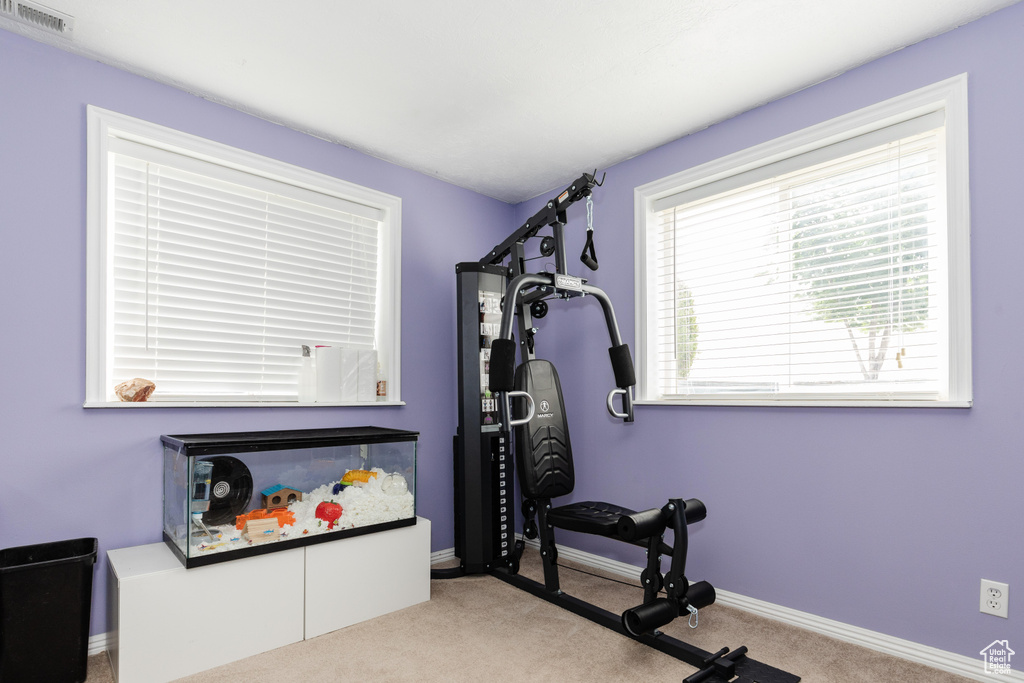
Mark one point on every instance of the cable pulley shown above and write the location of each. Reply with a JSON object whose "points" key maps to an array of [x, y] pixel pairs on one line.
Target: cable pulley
{"points": [[589, 256]]}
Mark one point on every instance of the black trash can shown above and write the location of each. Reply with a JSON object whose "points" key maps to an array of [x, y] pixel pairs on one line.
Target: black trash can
{"points": [[45, 604]]}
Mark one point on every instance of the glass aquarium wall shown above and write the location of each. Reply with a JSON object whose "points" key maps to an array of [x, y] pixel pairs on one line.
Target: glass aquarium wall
{"points": [[240, 494]]}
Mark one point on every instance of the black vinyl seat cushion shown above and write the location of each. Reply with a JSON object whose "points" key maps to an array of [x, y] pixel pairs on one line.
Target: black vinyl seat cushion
{"points": [[588, 517]]}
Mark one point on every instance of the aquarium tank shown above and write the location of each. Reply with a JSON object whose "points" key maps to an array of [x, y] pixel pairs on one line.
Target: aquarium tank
{"points": [[240, 494]]}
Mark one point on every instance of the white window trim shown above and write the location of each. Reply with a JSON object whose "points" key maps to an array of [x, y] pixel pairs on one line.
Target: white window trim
{"points": [[102, 125], [949, 95]]}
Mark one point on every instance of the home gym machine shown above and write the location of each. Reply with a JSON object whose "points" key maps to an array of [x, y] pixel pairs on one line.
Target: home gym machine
{"points": [[506, 409]]}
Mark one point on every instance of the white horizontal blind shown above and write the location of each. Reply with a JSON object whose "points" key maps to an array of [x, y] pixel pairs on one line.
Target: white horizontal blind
{"points": [[825, 278], [219, 277]]}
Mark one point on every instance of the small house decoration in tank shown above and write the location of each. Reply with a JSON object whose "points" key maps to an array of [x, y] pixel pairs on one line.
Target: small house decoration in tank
{"points": [[280, 495]]}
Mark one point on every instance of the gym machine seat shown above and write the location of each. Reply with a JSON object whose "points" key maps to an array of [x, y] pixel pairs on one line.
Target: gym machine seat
{"points": [[545, 467]]}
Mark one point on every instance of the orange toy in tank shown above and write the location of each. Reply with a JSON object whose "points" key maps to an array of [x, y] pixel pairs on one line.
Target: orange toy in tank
{"points": [[282, 515], [352, 476]]}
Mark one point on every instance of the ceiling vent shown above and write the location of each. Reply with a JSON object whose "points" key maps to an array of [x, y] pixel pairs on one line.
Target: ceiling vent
{"points": [[37, 15]]}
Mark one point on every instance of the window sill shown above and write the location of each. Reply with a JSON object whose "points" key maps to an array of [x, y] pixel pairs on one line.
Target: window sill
{"points": [[234, 404], [805, 403]]}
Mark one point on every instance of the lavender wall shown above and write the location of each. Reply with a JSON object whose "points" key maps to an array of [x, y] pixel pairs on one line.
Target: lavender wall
{"points": [[881, 518], [70, 472], [890, 526]]}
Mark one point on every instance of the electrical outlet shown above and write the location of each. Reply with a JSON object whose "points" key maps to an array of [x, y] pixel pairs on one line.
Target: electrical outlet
{"points": [[995, 598]]}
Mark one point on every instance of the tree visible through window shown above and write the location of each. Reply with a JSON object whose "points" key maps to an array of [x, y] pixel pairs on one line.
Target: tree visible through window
{"points": [[816, 268], [861, 250], [811, 280], [686, 331]]}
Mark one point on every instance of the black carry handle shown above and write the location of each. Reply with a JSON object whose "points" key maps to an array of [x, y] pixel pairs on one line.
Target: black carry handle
{"points": [[589, 256]]}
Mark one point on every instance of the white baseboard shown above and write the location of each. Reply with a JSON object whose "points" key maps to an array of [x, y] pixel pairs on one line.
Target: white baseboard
{"points": [[98, 643], [961, 665], [967, 667], [442, 556]]}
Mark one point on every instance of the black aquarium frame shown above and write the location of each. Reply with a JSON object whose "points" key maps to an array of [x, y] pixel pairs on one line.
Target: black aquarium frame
{"points": [[240, 443]]}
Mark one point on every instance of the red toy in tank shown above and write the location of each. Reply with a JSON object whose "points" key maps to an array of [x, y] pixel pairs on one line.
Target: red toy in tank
{"points": [[328, 512]]}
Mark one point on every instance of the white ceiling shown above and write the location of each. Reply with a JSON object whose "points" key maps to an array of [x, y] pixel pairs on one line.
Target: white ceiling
{"points": [[511, 99]]}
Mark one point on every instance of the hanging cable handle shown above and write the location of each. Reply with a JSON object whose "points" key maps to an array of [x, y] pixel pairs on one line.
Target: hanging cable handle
{"points": [[589, 256]]}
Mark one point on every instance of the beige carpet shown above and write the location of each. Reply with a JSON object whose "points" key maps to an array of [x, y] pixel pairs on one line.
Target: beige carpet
{"points": [[478, 628]]}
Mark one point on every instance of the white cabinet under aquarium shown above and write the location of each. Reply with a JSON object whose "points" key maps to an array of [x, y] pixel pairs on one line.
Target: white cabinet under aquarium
{"points": [[234, 495]]}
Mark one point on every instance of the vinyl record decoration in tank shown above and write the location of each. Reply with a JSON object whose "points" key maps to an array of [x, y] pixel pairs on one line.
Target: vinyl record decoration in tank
{"points": [[230, 490]]}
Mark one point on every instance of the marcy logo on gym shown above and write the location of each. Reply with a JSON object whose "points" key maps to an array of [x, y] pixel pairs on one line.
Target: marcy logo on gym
{"points": [[544, 408]]}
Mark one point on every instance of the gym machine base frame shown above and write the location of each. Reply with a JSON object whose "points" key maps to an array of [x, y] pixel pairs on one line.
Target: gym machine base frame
{"points": [[711, 667]]}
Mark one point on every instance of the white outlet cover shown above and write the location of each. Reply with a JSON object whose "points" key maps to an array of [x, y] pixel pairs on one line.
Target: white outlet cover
{"points": [[995, 598]]}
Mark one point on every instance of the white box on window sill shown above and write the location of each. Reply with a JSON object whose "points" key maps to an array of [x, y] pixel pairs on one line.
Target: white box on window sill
{"points": [[367, 387]]}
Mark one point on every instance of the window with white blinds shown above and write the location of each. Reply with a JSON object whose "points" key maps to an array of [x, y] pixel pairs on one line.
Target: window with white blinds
{"points": [[215, 271], [832, 274]]}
